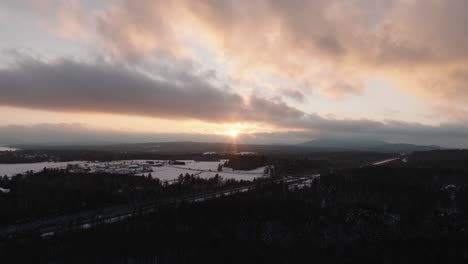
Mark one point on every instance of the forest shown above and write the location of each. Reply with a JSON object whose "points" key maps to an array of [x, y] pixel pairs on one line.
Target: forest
{"points": [[55, 192], [401, 212]]}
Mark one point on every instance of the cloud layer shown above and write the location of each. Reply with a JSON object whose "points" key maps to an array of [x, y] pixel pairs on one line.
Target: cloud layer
{"points": [[329, 45], [67, 85]]}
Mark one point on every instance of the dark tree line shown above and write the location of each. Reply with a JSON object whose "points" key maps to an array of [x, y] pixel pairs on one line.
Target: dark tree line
{"points": [[246, 162], [54, 192]]}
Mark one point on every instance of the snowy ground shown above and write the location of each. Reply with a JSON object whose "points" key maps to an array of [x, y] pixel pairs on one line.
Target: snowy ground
{"points": [[7, 149], [13, 169], [171, 173], [203, 169]]}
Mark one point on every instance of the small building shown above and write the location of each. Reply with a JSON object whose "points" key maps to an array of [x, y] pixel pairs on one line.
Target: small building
{"points": [[176, 162]]}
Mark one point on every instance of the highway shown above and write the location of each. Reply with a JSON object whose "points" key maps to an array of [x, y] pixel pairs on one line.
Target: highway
{"points": [[385, 161], [381, 162]]}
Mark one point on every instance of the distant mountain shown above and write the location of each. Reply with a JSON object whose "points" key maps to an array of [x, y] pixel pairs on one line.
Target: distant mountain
{"points": [[343, 143], [402, 147], [365, 145]]}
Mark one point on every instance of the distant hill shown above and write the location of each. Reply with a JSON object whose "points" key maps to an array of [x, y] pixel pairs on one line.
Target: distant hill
{"points": [[319, 145], [343, 143], [365, 145]]}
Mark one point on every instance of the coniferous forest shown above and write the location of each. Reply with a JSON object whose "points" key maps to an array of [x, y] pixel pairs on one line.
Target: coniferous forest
{"points": [[412, 210]]}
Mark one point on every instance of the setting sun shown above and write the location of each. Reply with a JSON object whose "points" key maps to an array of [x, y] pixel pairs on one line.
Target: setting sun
{"points": [[233, 133]]}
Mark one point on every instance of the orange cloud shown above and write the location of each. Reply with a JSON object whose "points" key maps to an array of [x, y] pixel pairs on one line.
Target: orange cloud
{"points": [[331, 46]]}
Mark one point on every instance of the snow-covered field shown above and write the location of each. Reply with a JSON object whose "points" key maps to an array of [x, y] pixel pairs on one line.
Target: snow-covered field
{"points": [[170, 173], [200, 165], [7, 149], [13, 169], [203, 169]]}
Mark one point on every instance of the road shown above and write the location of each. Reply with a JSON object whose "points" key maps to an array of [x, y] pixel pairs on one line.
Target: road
{"points": [[381, 162], [385, 161]]}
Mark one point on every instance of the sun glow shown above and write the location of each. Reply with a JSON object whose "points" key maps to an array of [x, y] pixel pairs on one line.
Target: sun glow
{"points": [[233, 133]]}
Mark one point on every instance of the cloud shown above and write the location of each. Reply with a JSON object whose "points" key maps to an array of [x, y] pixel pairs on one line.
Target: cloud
{"points": [[331, 45], [66, 18], [132, 30], [66, 85], [70, 86], [295, 94], [452, 112], [339, 89], [78, 134], [72, 22]]}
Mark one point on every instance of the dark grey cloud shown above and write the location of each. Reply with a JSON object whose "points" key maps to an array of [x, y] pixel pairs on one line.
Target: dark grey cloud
{"points": [[293, 94], [70, 86]]}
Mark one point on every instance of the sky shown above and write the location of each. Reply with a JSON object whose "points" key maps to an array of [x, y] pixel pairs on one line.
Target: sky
{"points": [[259, 71]]}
